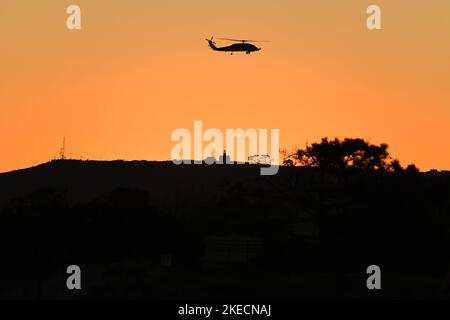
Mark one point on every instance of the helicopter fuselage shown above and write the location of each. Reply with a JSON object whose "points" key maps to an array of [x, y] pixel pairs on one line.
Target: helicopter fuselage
{"points": [[236, 47]]}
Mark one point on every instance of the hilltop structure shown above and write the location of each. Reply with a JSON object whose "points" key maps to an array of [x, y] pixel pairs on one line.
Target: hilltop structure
{"points": [[223, 159]]}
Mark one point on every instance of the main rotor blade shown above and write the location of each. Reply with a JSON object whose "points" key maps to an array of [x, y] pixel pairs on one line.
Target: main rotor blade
{"points": [[241, 40], [236, 40]]}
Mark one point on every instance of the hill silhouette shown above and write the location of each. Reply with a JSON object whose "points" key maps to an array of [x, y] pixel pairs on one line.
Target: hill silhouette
{"points": [[168, 183], [157, 230]]}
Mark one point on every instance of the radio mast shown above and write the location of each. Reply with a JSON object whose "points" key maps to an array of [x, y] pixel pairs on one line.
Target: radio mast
{"points": [[62, 152]]}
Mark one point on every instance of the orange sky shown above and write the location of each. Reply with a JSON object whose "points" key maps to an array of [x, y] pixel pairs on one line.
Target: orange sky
{"points": [[140, 69]]}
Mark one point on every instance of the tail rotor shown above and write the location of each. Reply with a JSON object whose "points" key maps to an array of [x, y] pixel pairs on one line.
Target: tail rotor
{"points": [[211, 43], [211, 40]]}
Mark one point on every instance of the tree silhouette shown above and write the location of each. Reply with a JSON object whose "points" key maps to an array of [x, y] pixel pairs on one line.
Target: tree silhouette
{"points": [[348, 154], [338, 163]]}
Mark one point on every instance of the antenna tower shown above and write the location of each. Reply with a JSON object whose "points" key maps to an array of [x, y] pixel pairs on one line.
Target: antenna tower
{"points": [[62, 152]]}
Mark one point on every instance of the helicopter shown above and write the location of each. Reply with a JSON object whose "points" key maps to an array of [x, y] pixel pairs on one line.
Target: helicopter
{"points": [[240, 45]]}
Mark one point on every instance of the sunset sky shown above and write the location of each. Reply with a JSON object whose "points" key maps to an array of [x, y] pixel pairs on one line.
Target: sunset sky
{"points": [[139, 69]]}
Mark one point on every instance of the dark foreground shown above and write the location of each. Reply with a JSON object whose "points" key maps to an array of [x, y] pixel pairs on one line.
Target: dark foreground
{"points": [[142, 230]]}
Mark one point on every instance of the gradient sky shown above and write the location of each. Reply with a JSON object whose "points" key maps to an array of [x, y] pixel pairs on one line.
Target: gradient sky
{"points": [[139, 69]]}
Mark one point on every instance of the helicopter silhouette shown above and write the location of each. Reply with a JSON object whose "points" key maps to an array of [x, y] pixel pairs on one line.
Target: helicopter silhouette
{"points": [[239, 46]]}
